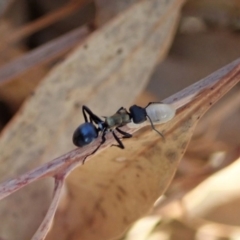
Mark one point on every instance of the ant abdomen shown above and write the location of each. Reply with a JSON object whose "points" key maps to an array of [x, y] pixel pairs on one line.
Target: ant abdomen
{"points": [[84, 134]]}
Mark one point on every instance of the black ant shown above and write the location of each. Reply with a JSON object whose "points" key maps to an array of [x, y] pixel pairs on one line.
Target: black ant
{"points": [[90, 130]]}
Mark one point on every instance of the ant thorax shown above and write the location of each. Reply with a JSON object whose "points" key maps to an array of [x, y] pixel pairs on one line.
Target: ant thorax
{"points": [[118, 119]]}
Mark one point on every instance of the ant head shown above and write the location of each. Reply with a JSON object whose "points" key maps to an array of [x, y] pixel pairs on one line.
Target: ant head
{"points": [[138, 114]]}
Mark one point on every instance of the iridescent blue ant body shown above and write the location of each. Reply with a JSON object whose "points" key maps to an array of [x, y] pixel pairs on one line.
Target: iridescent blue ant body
{"points": [[85, 134]]}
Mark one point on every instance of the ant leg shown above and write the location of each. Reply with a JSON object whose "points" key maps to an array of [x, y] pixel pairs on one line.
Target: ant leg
{"points": [[125, 134], [156, 129], [84, 113], [120, 144], [92, 116], [95, 150], [121, 108], [125, 110]]}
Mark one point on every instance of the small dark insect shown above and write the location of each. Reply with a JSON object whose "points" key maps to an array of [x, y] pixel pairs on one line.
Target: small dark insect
{"points": [[89, 131]]}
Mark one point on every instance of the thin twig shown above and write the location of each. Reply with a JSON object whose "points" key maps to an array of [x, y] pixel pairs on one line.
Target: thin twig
{"points": [[47, 221], [69, 161], [43, 54], [43, 22], [212, 87]]}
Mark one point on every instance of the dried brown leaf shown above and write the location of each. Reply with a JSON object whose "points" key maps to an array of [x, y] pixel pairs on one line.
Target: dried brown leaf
{"points": [[217, 83], [208, 195], [108, 70], [107, 9], [20, 73], [119, 186]]}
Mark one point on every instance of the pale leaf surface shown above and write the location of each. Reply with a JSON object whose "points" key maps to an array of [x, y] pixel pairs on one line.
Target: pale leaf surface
{"points": [[117, 187], [108, 70]]}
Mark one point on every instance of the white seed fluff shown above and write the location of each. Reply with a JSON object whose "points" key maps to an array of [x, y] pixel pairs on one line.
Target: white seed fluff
{"points": [[160, 112]]}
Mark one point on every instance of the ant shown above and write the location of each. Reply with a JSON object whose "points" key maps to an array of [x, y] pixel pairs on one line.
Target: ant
{"points": [[90, 130]]}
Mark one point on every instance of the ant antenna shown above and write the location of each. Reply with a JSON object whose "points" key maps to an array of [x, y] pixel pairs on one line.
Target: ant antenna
{"points": [[150, 120]]}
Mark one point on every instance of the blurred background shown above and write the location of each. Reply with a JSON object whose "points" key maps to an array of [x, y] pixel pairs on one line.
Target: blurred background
{"points": [[206, 186]]}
